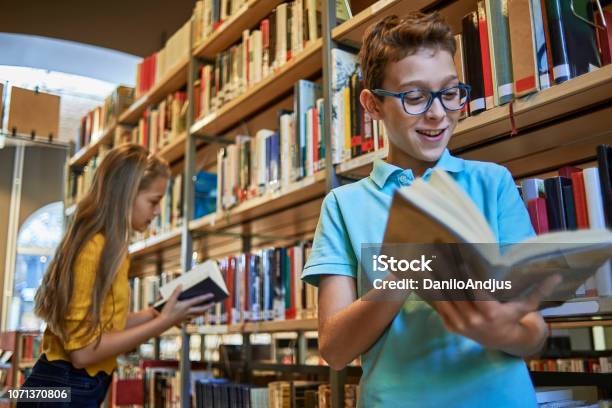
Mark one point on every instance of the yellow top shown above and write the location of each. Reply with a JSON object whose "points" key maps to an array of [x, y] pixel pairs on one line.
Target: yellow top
{"points": [[114, 311]]}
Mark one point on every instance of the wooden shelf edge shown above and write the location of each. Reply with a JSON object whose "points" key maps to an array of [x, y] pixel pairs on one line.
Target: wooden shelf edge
{"points": [[155, 242], [220, 220], [377, 10], [257, 327], [545, 104], [217, 122], [155, 94], [360, 161], [87, 152], [175, 150]]}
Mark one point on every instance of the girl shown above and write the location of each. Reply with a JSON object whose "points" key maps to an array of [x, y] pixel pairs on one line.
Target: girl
{"points": [[84, 295]]}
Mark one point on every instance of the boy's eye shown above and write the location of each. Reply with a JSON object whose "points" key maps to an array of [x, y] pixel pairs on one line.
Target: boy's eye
{"points": [[416, 97], [451, 94]]}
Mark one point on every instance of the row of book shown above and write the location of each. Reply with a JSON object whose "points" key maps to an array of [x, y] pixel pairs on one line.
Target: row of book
{"points": [[209, 15], [273, 159], [575, 199], [100, 119], [514, 48], [161, 124], [266, 285], [220, 393], [80, 180], [572, 365], [145, 290], [156, 66], [279, 38], [30, 346]]}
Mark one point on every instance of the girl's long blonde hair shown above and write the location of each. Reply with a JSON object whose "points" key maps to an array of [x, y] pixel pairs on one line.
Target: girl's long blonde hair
{"points": [[105, 209]]}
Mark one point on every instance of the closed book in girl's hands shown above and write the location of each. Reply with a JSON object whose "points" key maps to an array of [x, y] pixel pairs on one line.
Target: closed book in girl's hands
{"points": [[439, 217], [202, 279]]}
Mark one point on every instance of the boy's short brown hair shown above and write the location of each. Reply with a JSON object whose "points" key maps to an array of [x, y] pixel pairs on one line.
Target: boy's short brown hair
{"points": [[394, 38]]}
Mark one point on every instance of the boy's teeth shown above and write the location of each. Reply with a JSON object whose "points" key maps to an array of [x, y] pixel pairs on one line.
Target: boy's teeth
{"points": [[430, 132]]}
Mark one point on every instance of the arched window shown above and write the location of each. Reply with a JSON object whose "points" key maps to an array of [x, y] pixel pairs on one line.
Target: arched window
{"points": [[36, 243]]}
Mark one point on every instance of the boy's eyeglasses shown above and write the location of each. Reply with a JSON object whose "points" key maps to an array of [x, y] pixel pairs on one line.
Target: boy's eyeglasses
{"points": [[418, 101]]}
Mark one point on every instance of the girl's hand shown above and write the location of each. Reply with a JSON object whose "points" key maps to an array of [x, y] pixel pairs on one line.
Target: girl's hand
{"points": [[175, 311], [511, 327]]}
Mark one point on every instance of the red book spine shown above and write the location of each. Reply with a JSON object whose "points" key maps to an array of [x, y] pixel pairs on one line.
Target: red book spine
{"points": [[604, 36], [582, 214], [487, 72], [314, 120], [229, 278], [538, 215], [290, 313]]}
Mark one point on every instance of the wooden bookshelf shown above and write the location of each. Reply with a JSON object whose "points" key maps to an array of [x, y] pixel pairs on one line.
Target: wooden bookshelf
{"points": [[175, 150], [296, 193], [174, 80], [271, 326], [155, 243], [361, 166], [304, 65], [584, 309], [231, 30], [577, 94], [351, 32], [87, 152]]}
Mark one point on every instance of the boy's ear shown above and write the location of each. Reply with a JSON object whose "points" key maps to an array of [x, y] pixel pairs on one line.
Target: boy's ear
{"points": [[371, 103]]}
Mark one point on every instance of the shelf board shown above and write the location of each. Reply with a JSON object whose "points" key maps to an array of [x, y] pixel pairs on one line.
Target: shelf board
{"points": [[304, 65], [258, 327], [174, 80], [156, 243], [580, 308], [579, 324], [351, 32], [231, 30], [81, 157], [577, 94], [360, 166], [296, 193], [175, 150]]}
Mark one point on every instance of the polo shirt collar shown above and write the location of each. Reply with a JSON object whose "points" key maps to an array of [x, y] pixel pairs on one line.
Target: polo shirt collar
{"points": [[382, 170]]}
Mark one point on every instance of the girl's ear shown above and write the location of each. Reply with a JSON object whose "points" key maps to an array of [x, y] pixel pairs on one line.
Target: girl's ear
{"points": [[371, 103]]}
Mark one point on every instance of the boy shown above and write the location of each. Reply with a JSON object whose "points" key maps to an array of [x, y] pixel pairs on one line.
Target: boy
{"points": [[418, 354]]}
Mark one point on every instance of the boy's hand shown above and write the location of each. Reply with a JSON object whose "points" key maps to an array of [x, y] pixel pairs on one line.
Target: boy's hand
{"points": [[511, 327]]}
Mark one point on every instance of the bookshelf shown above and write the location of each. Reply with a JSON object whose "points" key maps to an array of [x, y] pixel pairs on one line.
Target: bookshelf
{"points": [[175, 79], [231, 30], [87, 152], [306, 64], [557, 126]]}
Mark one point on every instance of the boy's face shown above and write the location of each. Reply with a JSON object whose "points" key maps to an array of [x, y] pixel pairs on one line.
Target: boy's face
{"points": [[423, 137]]}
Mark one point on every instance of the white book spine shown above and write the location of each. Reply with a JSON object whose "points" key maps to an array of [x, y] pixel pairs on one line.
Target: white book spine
{"points": [[594, 200]]}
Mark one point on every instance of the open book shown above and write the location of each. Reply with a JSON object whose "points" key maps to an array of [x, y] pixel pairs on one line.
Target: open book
{"points": [[203, 278], [440, 215]]}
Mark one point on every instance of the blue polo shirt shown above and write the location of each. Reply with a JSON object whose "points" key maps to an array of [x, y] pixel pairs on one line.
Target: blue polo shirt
{"points": [[416, 362]]}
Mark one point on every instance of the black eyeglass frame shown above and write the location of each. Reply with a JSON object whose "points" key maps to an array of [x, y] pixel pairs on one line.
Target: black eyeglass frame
{"points": [[433, 95]]}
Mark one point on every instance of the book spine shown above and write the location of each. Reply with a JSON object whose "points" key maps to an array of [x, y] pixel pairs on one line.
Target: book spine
{"points": [[499, 41], [473, 57]]}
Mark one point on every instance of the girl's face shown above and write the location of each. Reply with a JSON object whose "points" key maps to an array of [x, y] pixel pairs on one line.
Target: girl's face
{"points": [[146, 205], [423, 137]]}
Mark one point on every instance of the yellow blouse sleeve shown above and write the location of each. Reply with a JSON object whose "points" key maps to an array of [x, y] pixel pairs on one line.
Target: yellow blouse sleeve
{"points": [[80, 334]]}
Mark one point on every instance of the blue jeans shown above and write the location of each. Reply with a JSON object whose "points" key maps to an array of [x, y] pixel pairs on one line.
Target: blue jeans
{"points": [[86, 391]]}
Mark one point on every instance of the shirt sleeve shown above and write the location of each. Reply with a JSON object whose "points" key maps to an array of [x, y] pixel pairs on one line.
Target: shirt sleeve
{"points": [[513, 218], [332, 253], [79, 333]]}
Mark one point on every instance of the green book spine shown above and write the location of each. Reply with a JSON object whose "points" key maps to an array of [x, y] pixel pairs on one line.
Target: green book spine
{"points": [[499, 43]]}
